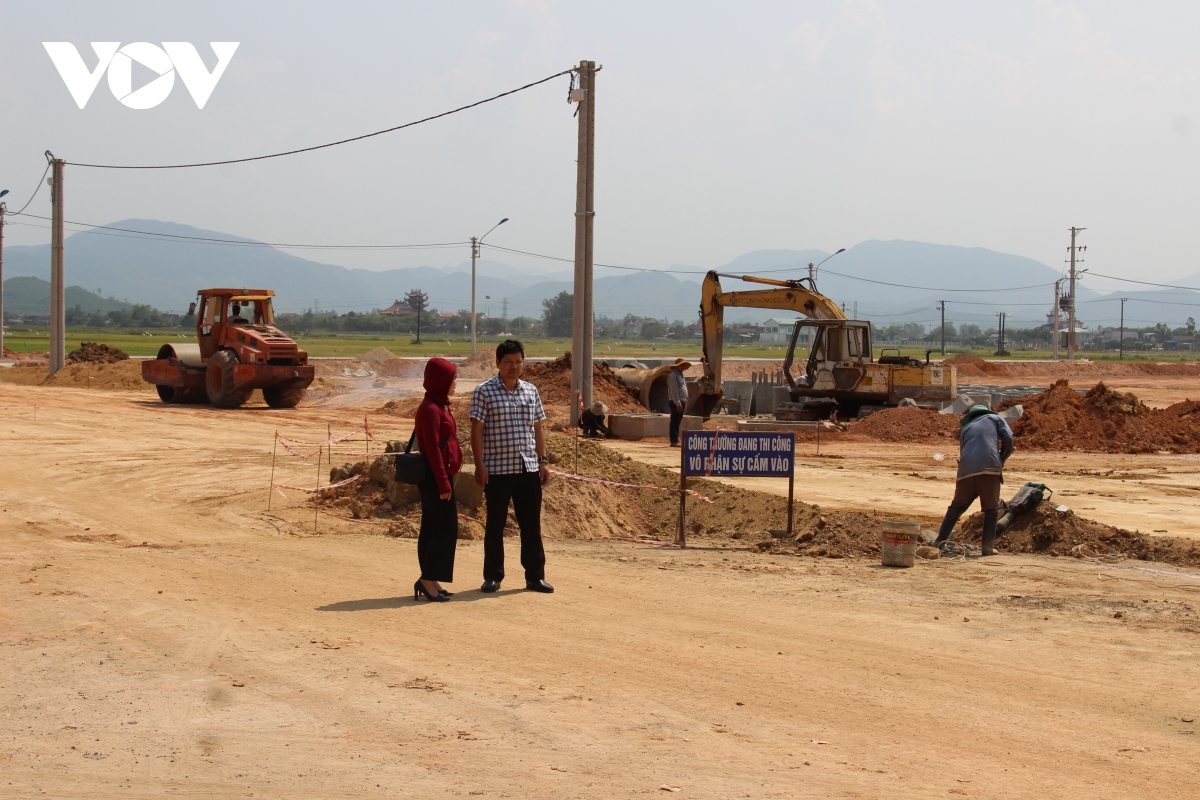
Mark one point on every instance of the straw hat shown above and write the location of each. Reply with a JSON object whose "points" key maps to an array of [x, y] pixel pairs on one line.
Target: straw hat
{"points": [[681, 364], [599, 409]]}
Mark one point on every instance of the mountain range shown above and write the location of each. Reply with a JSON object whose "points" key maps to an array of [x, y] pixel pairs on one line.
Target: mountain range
{"points": [[886, 281]]}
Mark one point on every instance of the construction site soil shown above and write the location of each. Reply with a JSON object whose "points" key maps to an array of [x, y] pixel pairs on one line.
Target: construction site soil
{"points": [[1104, 420], [907, 424], [215, 647], [969, 367]]}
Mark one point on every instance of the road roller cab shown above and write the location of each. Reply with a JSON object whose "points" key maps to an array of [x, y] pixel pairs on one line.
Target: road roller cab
{"points": [[238, 349]]}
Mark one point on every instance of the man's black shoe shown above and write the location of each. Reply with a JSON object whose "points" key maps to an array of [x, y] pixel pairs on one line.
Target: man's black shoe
{"points": [[539, 586], [490, 587]]}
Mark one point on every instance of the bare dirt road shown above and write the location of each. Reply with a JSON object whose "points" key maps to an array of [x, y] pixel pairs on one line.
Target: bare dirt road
{"points": [[162, 635]]}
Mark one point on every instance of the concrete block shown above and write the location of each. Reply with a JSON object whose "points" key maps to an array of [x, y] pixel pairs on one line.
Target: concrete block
{"points": [[640, 426]]}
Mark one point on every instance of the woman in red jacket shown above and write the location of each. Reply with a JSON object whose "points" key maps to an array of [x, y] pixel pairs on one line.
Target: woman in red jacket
{"points": [[437, 438]]}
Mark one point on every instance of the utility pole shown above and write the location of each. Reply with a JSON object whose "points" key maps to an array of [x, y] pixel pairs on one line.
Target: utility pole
{"points": [[585, 214], [942, 306], [1121, 332], [474, 255], [1000, 334], [1054, 314], [58, 351], [1071, 309], [504, 312], [3, 210]]}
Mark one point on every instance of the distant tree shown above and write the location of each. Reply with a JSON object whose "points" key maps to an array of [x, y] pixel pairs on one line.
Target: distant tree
{"points": [[653, 329], [1190, 327], [557, 313]]}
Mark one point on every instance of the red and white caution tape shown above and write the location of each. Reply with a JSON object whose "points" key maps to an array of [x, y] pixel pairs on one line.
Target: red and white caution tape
{"points": [[352, 433], [602, 482], [296, 452], [320, 488]]}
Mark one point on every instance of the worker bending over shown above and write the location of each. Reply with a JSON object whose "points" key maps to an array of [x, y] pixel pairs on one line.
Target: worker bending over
{"points": [[984, 443], [592, 421]]}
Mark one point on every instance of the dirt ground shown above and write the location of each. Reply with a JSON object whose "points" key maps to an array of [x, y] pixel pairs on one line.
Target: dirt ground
{"points": [[162, 633]]}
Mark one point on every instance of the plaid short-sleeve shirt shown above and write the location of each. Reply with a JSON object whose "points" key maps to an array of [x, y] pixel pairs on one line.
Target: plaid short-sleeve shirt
{"points": [[508, 418]]}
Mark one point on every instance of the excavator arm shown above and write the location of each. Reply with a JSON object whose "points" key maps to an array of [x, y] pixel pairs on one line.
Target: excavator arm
{"points": [[799, 296]]}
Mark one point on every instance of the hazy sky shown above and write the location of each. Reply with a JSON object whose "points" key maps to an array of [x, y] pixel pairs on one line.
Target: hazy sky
{"points": [[721, 127]]}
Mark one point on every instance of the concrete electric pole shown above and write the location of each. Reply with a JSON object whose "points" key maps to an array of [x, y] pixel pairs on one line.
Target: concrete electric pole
{"points": [[1071, 309], [475, 242], [3, 210], [585, 214], [1054, 314], [58, 351], [1121, 330], [942, 306]]}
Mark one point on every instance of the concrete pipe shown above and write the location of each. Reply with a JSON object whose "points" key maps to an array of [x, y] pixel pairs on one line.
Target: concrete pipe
{"points": [[651, 386]]}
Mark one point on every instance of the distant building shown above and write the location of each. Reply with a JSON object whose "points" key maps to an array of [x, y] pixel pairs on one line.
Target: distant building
{"points": [[1121, 334], [397, 308], [779, 331]]}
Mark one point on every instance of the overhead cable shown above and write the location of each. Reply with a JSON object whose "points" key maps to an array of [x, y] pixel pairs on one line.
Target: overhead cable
{"points": [[36, 189], [249, 243], [328, 144], [1144, 283]]}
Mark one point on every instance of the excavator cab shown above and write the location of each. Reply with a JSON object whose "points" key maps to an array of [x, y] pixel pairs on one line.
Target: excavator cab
{"points": [[837, 364]]}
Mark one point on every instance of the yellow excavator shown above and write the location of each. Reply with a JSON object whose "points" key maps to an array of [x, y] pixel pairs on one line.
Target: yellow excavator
{"points": [[841, 376]]}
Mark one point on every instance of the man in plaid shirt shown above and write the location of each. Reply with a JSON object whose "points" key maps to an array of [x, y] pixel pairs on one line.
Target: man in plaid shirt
{"points": [[511, 466]]}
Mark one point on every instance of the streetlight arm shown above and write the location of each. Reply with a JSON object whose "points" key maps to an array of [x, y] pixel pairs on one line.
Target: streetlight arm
{"points": [[497, 225], [829, 257]]}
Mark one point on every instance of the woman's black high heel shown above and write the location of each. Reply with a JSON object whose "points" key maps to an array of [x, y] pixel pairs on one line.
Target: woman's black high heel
{"points": [[419, 589], [444, 593]]}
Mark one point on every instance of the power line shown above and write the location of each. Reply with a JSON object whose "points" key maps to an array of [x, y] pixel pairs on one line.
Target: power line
{"points": [[328, 144], [242, 242], [1145, 283], [38, 188]]}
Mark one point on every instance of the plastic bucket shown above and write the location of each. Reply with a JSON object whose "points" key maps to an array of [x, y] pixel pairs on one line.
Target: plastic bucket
{"points": [[900, 540]]}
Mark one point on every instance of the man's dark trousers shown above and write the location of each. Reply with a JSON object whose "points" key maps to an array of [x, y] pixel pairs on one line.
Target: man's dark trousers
{"points": [[524, 490], [676, 419]]}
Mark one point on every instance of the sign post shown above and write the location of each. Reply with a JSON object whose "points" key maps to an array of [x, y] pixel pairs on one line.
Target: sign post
{"points": [[746, 454]]}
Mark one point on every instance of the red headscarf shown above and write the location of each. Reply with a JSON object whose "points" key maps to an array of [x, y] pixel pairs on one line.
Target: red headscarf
{"points": [[439, 374]]}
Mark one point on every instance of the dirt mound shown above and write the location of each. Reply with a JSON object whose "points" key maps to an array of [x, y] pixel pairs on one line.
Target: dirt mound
{"points": [[907, 424], [1105, 421], [399, 368], [480, 366], [118, 375], [1058, 533], [37, 355], [95, 353], [378, 354], [553, 380], [969, 366]]}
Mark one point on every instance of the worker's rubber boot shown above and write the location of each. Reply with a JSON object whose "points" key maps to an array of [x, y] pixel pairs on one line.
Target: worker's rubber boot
{"points": [[952, 515], [989, 533]]}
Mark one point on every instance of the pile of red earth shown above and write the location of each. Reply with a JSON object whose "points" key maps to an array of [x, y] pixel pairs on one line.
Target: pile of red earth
{"points": [[93, 353], [908, 424], [1061, 533], [1105, 421], [553, 380], [974, 367], [37, 355]]}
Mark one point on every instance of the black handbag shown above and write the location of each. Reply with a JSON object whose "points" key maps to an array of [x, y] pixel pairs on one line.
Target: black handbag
{"points": [[412, 467]]}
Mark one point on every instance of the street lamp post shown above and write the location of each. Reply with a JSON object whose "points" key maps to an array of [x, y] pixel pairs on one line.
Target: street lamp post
{"points": [[475, 242], [812, 271]]}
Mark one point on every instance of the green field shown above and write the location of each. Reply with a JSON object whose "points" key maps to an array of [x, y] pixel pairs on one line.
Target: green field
{"points": [[135, 343]]}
